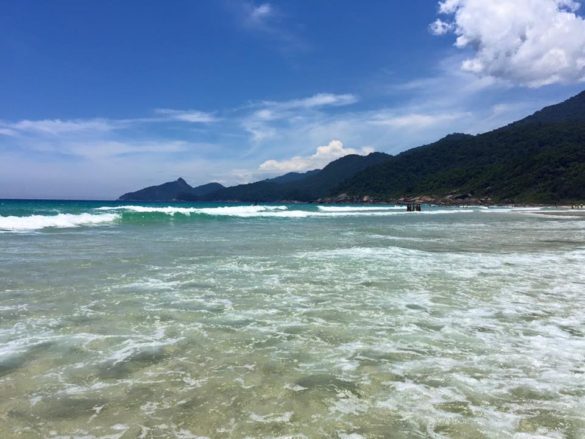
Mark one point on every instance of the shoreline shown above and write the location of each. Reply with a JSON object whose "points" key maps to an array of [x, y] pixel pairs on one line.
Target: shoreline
{"points": [[448, 201], [343, 200]]}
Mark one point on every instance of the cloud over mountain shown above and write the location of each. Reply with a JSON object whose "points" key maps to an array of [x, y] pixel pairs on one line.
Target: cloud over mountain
{"points": [[323, 155]]}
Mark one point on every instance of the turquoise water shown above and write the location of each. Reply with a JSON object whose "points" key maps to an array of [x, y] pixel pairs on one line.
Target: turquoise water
{"points": [[228, 321]]}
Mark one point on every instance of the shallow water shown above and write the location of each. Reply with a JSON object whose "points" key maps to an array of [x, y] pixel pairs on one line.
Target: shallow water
{"points": [[152, 321]]}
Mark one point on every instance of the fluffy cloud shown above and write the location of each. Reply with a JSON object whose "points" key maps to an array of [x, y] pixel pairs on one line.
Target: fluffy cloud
{"points": [[527, 42], [323, 155]]}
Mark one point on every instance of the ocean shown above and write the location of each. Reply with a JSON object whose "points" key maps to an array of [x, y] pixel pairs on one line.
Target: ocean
{"points": [[123, 320]]}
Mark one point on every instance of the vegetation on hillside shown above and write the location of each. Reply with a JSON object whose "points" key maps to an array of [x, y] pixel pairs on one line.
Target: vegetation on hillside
{"points": [[539, 159], [306, 187], [530, 162]]}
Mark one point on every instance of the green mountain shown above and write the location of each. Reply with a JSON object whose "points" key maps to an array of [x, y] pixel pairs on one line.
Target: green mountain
{"points": [[298, 187], [171, 191], [292, 176], [572, 110], [205, 189], [540, 159]]}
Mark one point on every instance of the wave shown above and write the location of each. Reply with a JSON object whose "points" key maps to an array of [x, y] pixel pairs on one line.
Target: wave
{"points": [[140, 213], [244, 211], [146, 209], [512, 209], [223, 211], [268, 211], [359, 208], [60, 221]]}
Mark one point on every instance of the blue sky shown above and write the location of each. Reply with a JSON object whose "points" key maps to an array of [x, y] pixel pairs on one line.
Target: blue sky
{"points": [[101, 97]]}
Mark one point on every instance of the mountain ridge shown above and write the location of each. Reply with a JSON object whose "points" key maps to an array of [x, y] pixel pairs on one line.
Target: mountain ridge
{"points": [[311, 186], [537, 159], [170, 191]]}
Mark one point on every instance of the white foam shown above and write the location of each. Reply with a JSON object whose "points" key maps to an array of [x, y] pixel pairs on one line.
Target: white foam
{"points": [[512, 209], [186, 434], [269, 211], [23, 307], [443, 211], [144, 344], [358, 208], [222, 211], [242, 211], [361, 253], [349, 405], [169, 210], [62, 220], [313, 214], [272, 418]]}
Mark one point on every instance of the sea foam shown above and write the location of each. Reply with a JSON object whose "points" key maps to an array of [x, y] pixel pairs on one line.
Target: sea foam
{"points": [[269, 211], [358, 208], [223, 211], [62, 220]]}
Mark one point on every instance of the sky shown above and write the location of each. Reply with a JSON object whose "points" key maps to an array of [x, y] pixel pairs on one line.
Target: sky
{"points": [[98, 98]]}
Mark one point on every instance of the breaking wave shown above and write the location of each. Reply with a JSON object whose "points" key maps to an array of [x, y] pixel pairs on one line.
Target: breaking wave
{"points": [[358, 208], [131, 214], [269, 211], [60, 221], [243, 211]]}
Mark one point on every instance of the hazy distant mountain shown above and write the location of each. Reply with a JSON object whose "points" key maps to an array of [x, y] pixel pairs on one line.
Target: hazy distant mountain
{"points": [[171, 191], [538, 159], [205, 189]]}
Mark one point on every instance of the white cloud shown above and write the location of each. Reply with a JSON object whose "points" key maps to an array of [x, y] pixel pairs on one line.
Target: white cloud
{"points": [[94, 149], [8, 132], [190, 116], [440, 27], [257, 124], [257, 17], [269, 21], [97, 126], [271, 110], [94, 139], [261, 12], [315, 101], [57, 126], [323, 155], [527, 42], [259, 132], [416, 120]]}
